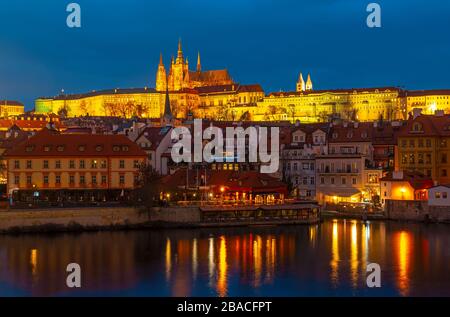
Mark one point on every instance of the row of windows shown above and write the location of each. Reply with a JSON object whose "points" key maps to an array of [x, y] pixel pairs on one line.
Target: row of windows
{"points": [[422, 158], [354, 181], [420, 143], [439, 195], [81, 164], [81, 179], [305, 181], [304, 166]]}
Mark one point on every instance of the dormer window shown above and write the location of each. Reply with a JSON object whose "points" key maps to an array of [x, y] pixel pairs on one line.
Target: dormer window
{"points": [[116, 148], [417, 127], [99, 148], [335, 135], [349, 135], [29, 148], [81, 148], [125, 148], [47, 148], [364, 135], [60, 148]]}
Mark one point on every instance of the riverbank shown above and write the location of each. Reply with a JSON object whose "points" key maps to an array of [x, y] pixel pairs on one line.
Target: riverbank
{"points": [[121, 218]]}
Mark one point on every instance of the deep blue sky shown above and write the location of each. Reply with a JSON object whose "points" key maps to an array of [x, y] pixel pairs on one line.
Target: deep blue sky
{"points": [[259, 41]]}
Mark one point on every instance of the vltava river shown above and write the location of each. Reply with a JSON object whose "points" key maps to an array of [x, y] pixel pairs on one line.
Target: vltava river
{"points": [[321, 260]]}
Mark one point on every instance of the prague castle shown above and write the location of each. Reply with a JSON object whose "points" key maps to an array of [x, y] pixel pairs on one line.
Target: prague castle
{"points": [[181, 77], [214, 94]]}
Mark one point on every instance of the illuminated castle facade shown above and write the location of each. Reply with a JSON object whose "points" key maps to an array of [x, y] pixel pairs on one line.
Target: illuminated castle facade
{"points": [[214, 95]]}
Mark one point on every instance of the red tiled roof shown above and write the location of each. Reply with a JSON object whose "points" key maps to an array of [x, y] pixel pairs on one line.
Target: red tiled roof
{"points": [[52, 143], [26, 124], [154, 135], [249, 181], [10, 103], [431, 125], [416, 180], [418, 93], [344, 134]]}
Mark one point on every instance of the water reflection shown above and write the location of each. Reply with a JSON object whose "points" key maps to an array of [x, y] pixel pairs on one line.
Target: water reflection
{"points": [[328, 259], [402, 242]]}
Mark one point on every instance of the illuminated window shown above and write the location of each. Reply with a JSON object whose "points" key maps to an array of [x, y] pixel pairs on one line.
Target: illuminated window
{"points": [[58, 164], [45, 164], [29, 164], [71, 164], [121, 164], [16, 164], [82, 164]]}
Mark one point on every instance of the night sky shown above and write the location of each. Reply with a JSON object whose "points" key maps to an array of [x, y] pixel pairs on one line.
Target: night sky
{"points": [[259, 41]]}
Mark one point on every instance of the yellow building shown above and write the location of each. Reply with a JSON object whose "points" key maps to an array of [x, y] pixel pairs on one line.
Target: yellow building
{"points": [[428, 100], [144, 102], [366, 104], [424, 146], [51, 166], [10, 108]]}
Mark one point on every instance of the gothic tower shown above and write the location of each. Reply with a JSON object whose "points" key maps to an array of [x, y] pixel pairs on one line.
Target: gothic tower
{"points": [[300, 83], [199, 65], [309, 84], [167, 118], [178, 71], [161, 79]]}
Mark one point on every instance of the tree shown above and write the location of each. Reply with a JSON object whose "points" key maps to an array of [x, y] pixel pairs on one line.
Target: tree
{"points": [[62, 112], [148, 187], [291, 111], [272, 111]]}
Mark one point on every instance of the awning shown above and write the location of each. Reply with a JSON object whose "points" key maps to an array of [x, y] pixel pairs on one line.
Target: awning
{"points": [[347, 192]]}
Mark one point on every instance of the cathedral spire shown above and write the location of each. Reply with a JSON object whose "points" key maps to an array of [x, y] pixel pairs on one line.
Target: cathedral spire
{"points": [[300, 83], [179, 53], [161, 76], [167, 117], [309, 84], [199, 65]]}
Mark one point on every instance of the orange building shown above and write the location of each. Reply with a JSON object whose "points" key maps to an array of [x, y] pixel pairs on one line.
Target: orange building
{"points": [[51, 166]]}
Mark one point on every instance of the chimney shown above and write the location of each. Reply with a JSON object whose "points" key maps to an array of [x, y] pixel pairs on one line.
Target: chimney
{"points": [[417, 112], [397, 175], [439, 113]]}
